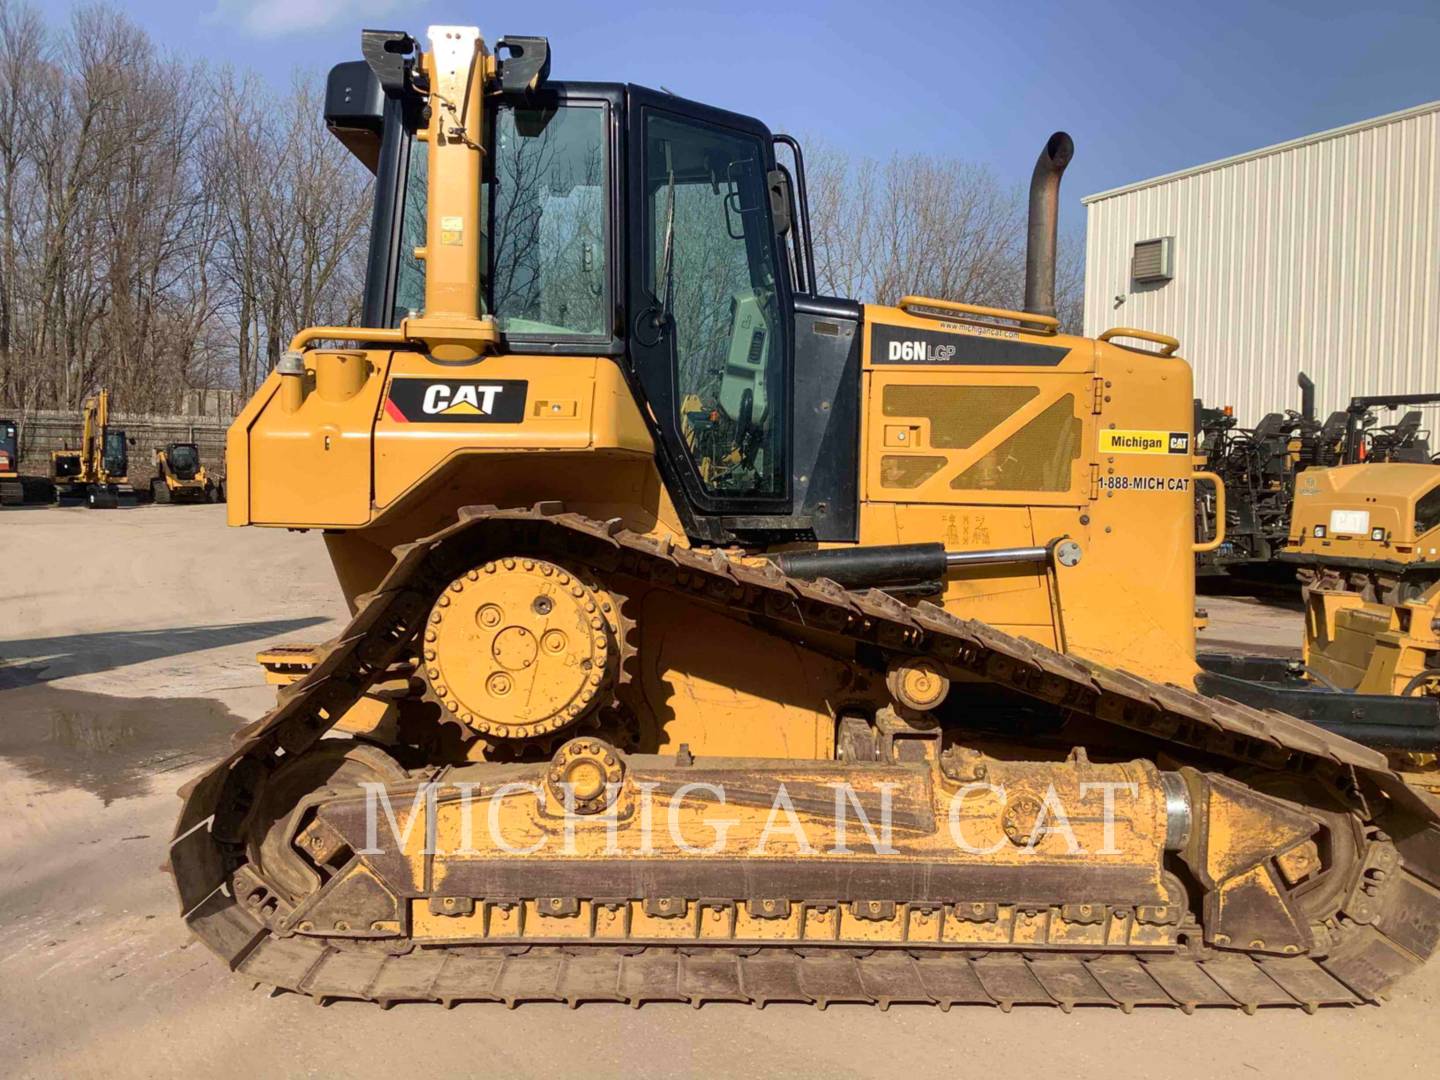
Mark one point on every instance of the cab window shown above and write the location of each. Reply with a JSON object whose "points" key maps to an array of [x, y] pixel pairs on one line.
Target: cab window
{"points": [[1427, 511], [548, 275], [410, 271], [184, 458], [546, 225], [115, 457]]}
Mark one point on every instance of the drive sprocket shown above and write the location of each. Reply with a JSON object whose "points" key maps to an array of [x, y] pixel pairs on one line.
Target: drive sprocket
{"points": [[520, 648]]}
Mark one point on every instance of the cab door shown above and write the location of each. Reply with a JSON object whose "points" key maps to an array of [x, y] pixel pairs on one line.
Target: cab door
{"points": [[710, 312]]}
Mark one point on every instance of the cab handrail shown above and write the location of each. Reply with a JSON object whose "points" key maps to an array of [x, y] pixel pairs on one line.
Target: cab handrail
{"points": [[1048, 323], [1170, 344]]}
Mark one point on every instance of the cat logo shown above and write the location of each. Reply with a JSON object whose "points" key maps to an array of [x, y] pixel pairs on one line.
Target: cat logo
{"points": [[442, 401], [470, 398]]}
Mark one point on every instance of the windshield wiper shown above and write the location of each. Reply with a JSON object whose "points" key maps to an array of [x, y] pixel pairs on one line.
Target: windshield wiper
{"points": [[667, 272]]}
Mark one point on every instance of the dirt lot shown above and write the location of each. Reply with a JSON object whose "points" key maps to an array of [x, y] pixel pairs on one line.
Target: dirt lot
{"points": [[126, 649]]}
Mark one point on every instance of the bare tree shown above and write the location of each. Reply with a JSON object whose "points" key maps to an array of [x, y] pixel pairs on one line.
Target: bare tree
{"points": [[156, 238], [163, 226], [917, 225]]}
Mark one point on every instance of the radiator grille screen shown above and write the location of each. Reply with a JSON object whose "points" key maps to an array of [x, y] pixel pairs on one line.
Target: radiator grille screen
{"points": [[1038, 457], [958, 415]]}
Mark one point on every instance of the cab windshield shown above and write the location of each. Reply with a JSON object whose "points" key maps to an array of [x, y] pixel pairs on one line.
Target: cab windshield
{"points": [[546, 227], [184, 461]]}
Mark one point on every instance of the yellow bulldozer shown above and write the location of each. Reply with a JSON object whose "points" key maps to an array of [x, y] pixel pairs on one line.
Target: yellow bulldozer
{"points": [[1368, 529], [715, 639], [1364, 541], [97, 472]]}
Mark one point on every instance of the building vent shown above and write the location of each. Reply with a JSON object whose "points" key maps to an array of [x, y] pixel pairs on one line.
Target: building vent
{"points": [[1153, 260]]}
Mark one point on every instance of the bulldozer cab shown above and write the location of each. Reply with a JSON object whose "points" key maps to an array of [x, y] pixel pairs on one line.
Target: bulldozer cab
{"points": [[621, 221]]}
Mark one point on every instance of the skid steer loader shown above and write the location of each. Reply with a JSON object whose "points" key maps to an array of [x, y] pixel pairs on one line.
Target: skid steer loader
{"points": [[179, 476], [715, 639]]}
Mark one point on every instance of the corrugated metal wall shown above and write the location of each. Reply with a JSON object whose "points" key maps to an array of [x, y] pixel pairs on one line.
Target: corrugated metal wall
{"points": [[1321, 255]]}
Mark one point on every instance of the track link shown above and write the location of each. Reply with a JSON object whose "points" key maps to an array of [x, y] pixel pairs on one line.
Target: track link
{"points": [[762, 977], [1393, 927]]}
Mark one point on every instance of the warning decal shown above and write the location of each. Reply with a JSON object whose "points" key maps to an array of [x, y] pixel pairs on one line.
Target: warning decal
{"points": [[1116, 441]]}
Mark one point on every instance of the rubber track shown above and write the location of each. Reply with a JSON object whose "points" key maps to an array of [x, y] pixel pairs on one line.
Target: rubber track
{"points": [[1404, 927]]}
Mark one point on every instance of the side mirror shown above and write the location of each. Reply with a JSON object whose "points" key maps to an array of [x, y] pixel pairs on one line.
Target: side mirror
{"points": [[781, 199]]}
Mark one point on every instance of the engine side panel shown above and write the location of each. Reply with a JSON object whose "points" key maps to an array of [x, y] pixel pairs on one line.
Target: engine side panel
{"points": [[982, 436]]}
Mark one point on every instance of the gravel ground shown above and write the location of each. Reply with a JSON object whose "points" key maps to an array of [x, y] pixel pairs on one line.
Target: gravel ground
{"points": [[126, 657]]}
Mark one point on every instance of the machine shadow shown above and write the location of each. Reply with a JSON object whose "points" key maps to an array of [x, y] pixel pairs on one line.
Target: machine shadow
{"points": [[30, 661]]}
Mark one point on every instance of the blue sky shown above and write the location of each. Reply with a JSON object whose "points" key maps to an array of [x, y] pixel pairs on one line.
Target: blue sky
{"points": [[1145, 88]]}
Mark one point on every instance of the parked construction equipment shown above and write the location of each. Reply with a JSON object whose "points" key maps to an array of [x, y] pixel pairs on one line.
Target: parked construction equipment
{"points": [[1371, 529], [16, 488], [1365, 540], [628, 515], [180, 477], [1259, 467], [98, 471]]}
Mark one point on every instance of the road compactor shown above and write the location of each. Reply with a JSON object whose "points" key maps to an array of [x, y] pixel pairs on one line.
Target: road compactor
{"points": [[714, 639]]}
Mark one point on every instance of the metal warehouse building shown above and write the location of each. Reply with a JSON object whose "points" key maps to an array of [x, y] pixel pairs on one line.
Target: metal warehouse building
{"points": [[1319, 255]]}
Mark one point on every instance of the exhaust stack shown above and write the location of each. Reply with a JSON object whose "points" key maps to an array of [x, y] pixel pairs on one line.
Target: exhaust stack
{"points": [[1307, 396], [1044, 220]]}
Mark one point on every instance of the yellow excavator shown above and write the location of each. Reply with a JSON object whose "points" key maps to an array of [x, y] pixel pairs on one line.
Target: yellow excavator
{"points": [[95, 473], [716, 639]]}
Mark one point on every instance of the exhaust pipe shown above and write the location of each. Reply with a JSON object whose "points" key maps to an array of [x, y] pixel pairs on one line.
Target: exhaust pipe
{"points": [[1044, 220], [1307, 396]]}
